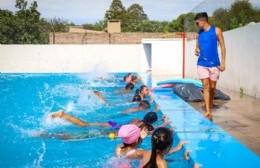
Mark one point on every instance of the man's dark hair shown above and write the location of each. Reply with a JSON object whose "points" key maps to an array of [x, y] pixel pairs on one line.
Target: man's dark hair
{"points": [[202, 15]]}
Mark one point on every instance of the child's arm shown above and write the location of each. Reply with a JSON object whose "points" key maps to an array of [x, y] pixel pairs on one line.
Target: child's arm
{"points": [[178, 147], [132, 110]]}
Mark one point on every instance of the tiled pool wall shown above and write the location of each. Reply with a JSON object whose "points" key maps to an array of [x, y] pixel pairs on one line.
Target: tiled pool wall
{"points": [[210, 145]]}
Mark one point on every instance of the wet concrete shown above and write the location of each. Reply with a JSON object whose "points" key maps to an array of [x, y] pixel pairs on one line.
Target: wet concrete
{"points": [[240, 117]]}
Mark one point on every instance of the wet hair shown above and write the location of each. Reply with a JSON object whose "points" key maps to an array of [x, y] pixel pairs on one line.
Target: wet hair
{"points": [[126, 76], [142, 87], [150, 117], [202, 15], [146, 125], [144, 104], [137, 91], [129, 86], [125, 145], [162, 138], [137, 97], [134, 78]]}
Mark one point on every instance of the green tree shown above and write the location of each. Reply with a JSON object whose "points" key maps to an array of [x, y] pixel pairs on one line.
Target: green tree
{"points": [[98, 26], [88, 26], [58, 25], [221, 18], [241, 13], [134, 19], [174, 26], [135, 12], [116, 11], [23, 27], [154, 26], [7, 31], [184, 22]]}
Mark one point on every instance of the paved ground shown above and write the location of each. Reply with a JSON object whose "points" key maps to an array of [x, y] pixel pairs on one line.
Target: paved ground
{"points": [[240, 117]]}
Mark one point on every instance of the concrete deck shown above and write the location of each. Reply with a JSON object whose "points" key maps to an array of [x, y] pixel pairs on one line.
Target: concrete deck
{"points": [[240, 117]]}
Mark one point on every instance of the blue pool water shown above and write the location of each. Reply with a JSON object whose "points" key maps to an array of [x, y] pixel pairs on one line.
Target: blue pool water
{"points": [[26, 101]]}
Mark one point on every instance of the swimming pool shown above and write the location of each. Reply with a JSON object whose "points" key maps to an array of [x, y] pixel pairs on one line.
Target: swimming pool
{"points": [[210, 145], [28, 99]]}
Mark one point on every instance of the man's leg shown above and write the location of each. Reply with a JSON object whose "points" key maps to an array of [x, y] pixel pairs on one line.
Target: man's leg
{"points": [[213, 85], [214, 76], [206, 95]]}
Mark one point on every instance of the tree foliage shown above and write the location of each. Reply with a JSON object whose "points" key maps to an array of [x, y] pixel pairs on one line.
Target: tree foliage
{"points": [[221, 18], [136, 13], [58, 25], [98, 26], [135, 19], [240, 13], [116, 11], [23, 27]]}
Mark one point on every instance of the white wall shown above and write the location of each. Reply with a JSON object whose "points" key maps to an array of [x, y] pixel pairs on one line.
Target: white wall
{"points": [[69, 58], [242, 60], [166, 56]]}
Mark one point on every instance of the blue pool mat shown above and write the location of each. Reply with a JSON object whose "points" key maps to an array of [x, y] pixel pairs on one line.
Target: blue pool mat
{"points": [[180, 81]]}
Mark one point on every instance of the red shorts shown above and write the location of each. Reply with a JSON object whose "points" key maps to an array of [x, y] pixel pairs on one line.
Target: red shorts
{"points": [[208, 72]]}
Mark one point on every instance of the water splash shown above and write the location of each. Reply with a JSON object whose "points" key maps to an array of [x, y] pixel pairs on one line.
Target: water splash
{"points": [[70, 106], [48, 122], [25, 132], [41, 152]]}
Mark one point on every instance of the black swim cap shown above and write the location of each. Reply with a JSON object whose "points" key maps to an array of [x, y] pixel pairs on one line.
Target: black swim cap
{"points": [[150, 117]]}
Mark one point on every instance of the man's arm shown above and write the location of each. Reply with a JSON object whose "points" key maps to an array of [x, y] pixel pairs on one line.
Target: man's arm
{"points": [[223, 49], [197, 49]]}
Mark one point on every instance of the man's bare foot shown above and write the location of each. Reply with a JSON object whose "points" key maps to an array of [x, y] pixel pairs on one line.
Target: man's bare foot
{"points": [[57, 114], [210, 118], [206, 114]]}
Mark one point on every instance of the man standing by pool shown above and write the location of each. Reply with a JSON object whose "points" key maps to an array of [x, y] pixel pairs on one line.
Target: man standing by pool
{"points": [[209, 65]]}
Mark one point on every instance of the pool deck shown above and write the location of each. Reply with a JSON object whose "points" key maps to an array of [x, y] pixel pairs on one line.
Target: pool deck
{"points": [[240, 117], [231, 140]]}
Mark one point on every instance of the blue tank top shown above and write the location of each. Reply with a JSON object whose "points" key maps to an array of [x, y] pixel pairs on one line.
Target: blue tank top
{"points": [[208, 41]]}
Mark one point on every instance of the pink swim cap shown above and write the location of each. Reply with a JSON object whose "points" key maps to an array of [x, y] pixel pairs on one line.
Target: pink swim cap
{"points": [[128, 79], [129, 133]]}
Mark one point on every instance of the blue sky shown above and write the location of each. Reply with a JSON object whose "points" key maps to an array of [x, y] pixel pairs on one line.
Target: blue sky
{"points": [[91, 11]]}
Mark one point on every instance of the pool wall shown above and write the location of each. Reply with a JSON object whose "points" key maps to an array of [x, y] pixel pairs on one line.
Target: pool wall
{"points": [[153, 53], [242, 60], [69, 58]]}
